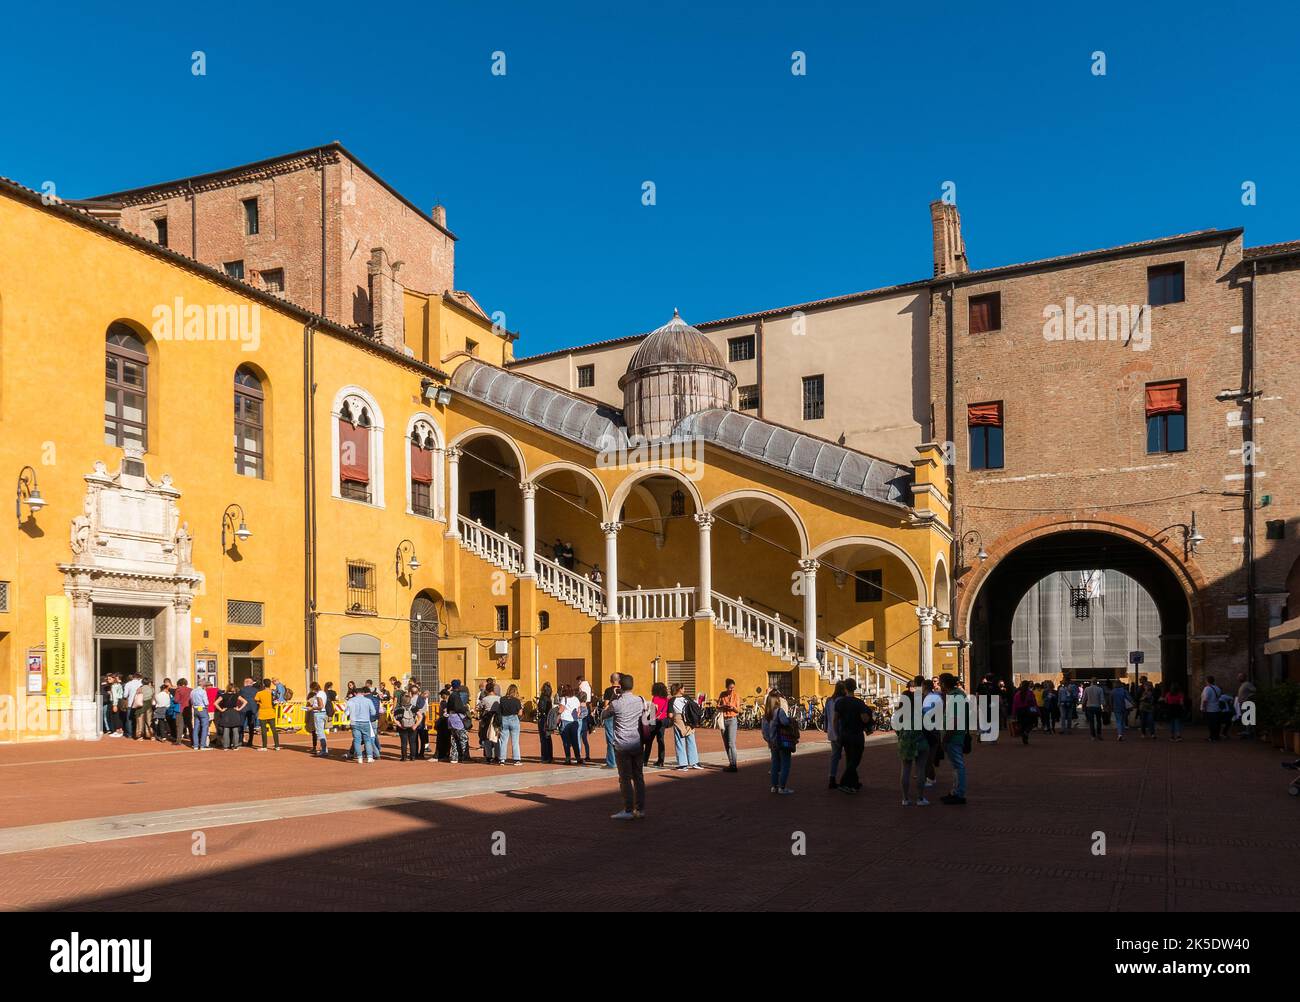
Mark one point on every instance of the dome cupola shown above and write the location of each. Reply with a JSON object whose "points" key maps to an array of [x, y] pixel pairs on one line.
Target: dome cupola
{"points": [[675, 372]]}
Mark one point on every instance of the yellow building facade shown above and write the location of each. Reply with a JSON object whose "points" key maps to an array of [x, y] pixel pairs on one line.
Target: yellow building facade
{"points": [[214, 482]]}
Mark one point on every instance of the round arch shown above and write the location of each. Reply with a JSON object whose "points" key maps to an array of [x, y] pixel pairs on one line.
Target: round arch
{"points": [[437, 492], [483, 431], [1188, 574], [893, 549], [746, 494], [941, 589], [561, 465], [625, 487]]}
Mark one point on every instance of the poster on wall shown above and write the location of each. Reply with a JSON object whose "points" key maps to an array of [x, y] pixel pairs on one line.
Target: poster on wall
{"points": [[35, 672], [58, 678], [205, 671]]}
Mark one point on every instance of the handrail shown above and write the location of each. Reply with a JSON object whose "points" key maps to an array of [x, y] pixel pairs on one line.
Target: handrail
{"points": [[656, 603], [490, 545], [566, 585], [778, 637]]}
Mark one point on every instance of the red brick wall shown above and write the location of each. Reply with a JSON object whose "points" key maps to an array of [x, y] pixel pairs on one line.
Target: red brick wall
{"points": [[1075, 429]]}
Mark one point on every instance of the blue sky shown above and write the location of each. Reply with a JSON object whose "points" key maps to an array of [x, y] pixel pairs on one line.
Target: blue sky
{"points": [[771, 188]]}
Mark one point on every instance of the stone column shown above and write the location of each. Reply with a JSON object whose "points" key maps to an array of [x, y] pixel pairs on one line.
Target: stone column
{"points": [[453, 493], [704, 596], [925, 616], [530, 529], [610, 529], [84, 725], [809, 570], [181, 644]]}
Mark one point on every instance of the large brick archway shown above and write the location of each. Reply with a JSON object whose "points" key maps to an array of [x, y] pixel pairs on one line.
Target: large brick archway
{"points": [[1153, 557]]}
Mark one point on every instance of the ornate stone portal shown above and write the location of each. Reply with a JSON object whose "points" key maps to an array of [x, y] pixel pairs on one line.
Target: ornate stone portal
{"points": [[129, 548]]}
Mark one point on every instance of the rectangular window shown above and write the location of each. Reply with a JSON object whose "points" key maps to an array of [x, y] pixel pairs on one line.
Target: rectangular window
{"points": [[361, 588], [249, 431], [747, 398], [421, 480], [273, 280], [1165, 284], [243, 613], [354, 460], [471, 346], [740, 349], [1166, 408], [984, 313], [4, 596], [126, 394], [251, 221], [814, 398], [503, 618], [1275, 528], [869, 586], [985, 424], [161, 226], [586, 376], [683, 672], [235, 269]]}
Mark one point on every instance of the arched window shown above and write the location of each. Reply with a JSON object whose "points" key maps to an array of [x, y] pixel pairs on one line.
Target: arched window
{"points": [[423, 443], [250, 429], [354, 450], [126, 391]]}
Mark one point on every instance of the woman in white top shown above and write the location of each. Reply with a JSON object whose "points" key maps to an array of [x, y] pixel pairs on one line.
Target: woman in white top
{"points": [[569, 704]]}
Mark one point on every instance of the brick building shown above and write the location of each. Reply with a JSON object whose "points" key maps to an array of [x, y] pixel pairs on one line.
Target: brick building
{"points": [[306, 225], [1122, 409]]}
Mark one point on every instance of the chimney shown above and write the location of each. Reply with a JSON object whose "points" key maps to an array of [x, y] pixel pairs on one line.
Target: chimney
{"points": [[439, 215], [387, 314], [949, 248]]}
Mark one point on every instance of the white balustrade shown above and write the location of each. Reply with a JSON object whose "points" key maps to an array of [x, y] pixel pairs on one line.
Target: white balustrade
{"points": [[656, 603], [567, 586], [491, 546]]}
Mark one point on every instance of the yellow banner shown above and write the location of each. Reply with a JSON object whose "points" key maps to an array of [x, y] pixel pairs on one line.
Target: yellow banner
{"points": [[58, 669]]}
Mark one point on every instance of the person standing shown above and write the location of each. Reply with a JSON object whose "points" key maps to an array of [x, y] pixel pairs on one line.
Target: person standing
{"points": [[509, 709], [129, 692], [360, 711], [142, 710], [568, 706], [405, 720], [199, 718], [1176, 710], [1094, 699], [585, 719], [1246, 706], [230, 707], [630, 714], [1024, 707], [912, 746], [956, 736], [331, 698], [184, 720], [314, 711], [1068, 700], [163, 713], [781, 736], [264, 701], [852, 717], [457, 722], [832, 726], [1120, 701], [655, 735], [729, 707], [607, 720], [1051, 707], [544, 703], [248, 723], [1146, 708], [683, 716], [1210, 697]]}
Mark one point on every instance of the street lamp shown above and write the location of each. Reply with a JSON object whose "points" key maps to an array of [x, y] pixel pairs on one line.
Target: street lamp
{"points": [[974, 534], [28, 493], [239, 530], [412, 562]]}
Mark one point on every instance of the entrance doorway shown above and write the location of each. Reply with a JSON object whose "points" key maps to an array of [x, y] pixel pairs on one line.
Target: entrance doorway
{"points": [[568, 671], [244, 661], [124, 641]]}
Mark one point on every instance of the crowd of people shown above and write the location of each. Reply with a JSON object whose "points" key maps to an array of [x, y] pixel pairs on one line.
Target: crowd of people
{"points": [[1054, 708], [205, 716]]}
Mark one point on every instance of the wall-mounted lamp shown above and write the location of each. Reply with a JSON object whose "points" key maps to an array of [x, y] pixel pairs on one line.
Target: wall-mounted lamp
{"points": [[412, 562], [432, 393], [1193, 536], [28, 493], [239, 529], [972, 536]]}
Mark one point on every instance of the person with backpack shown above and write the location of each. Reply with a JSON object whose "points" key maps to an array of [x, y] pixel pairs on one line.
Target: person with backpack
{"points": [[631, 716], [610, 694], [545, 703], [316, 720], [684, 715], [782, 736], [403, 714], [957, 742], [1146, 707], [566, 708], [457, 722], [1211, 703], [853, 722]]}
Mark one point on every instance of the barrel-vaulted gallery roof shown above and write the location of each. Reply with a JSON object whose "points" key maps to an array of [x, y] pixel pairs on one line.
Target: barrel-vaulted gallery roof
{"points": [[598, 426]]}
